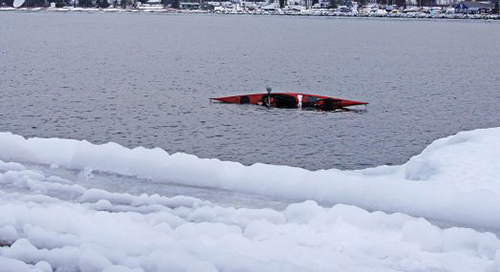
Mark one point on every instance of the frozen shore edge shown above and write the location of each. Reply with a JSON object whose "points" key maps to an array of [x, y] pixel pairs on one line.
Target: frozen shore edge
{"points": [[50, 223], [455, 179], [424, 16]]}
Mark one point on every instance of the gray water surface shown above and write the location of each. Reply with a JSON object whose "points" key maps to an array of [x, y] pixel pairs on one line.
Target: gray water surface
{"points": [[145, 80]]}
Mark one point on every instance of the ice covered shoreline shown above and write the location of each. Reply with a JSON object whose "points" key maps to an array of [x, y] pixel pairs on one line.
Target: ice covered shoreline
{"points": [[96, 230], [49, 223], [455, 179], [310, 12]]}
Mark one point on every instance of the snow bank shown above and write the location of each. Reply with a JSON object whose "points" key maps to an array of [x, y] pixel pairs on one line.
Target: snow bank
{"points": [[455, 179], [49, 224]]}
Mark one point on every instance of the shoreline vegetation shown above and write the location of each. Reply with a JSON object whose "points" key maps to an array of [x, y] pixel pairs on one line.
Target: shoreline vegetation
{"points": [[242, 11]]}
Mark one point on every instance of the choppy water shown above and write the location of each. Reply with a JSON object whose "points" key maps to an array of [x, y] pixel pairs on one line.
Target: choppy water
{"points": [[145, 80]]}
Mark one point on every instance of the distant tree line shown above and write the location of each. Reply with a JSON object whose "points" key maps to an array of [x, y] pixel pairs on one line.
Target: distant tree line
{"points": [[59, 3], [6, 2], [89, 3], [79, 3], [176, 3]]}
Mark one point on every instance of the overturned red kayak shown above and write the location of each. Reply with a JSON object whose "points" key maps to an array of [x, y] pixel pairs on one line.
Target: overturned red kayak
{"points": [[291, 100]]}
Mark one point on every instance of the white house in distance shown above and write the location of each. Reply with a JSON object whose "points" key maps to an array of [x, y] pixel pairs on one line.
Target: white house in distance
{"points": [[474, 7]]}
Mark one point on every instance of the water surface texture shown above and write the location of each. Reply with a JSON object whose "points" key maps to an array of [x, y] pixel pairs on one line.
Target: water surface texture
{"points": [[145, 80]]}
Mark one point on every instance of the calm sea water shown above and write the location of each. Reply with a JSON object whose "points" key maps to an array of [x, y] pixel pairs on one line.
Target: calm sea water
{"points": [[145, 80]]}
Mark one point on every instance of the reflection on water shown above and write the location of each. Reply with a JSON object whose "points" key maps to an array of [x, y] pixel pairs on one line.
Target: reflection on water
{"points": [[145, 80]]}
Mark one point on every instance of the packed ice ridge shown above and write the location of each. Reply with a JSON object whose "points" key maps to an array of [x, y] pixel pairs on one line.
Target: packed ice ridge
{"points": [[370, 219]]}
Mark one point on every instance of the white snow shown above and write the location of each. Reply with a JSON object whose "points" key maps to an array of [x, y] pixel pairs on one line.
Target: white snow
{"points": [[455, 179], [50, 223]]}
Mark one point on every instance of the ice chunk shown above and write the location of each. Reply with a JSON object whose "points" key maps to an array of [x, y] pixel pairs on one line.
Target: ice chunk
{"points": [[201, 267], [11, 166], [13, 265], [421, 232], [303, 212], [121, 268], [8, 234], [92, 261], [44, 266]]}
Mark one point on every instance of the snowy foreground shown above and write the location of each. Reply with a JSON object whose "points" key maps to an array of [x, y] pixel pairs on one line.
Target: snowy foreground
{"points": [[51, 223]]}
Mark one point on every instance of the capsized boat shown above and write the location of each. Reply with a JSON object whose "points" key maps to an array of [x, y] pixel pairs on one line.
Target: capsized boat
{"points": [[290, 100]]}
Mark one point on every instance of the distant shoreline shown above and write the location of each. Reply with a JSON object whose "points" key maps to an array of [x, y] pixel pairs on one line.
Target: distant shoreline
{"points": [[311, 12]]}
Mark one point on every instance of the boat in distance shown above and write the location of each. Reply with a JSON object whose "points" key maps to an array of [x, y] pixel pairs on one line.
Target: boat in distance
{"points": [[290, 100]]}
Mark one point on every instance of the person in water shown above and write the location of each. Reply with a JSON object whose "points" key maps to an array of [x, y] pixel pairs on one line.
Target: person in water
{"points": [[267, 101]]}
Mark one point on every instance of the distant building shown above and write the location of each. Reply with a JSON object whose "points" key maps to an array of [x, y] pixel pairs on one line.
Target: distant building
{"points": [[207, 6], [153, 3], [412, 3], [473, 7], [189, 5], [445, 2]]}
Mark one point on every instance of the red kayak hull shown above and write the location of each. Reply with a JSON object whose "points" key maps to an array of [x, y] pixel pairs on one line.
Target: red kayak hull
{"points": [[291, 100]]}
